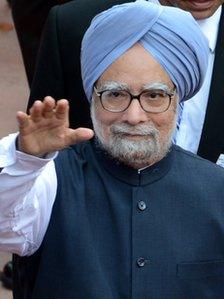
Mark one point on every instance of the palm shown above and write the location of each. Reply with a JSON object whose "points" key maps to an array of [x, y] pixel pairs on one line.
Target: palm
{"points": [[46, 129]]}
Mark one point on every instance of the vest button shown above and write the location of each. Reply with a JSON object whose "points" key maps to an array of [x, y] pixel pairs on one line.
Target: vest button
{"points": [[142, 205], [141, 262]]}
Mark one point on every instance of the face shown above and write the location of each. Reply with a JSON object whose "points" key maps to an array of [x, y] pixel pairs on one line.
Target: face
{"points": [[200, 9], [135, 137]]}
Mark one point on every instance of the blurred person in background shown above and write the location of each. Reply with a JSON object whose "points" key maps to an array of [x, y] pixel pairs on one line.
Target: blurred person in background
{"points": [[29, 17]]}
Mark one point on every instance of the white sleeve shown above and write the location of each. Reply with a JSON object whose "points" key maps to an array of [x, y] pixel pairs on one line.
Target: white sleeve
{"points": [[27, 192]]}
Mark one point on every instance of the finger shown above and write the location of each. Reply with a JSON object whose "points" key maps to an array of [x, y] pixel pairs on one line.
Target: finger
{"points": [[32, 107], [61, 110], [23, 119], [48, 107], [36, 111], [79, 135]]}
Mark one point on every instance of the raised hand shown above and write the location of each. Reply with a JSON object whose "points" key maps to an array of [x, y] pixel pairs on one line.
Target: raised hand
{"points": [[46, 128]]}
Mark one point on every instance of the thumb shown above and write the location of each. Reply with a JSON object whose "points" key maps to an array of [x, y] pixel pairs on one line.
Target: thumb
{"points": [[80, 134]]}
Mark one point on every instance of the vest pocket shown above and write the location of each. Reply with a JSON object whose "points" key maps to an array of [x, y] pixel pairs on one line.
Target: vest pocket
{"points": [[200, 269]]}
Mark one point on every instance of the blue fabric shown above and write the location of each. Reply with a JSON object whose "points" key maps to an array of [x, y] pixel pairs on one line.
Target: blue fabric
{"points": [[171, 35], [97, 232]]}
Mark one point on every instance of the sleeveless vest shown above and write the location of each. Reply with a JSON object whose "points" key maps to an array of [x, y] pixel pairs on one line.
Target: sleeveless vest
{"points": [[117, 233]]}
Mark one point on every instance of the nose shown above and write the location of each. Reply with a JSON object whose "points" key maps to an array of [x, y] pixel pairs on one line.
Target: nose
{"points": [[135, 114]]}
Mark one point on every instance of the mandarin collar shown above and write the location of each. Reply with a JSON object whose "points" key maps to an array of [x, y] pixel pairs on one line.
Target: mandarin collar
{"points": [[130, 175]]}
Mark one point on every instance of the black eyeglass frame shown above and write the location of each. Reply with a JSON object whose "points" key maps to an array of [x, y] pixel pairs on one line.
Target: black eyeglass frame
{"points": [[132, 97]]}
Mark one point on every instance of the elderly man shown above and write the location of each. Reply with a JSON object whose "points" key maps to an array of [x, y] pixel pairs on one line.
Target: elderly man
{"points": [[125, 214]]}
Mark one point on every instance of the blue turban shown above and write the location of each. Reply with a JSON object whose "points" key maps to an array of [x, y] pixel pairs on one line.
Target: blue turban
{"points": [[171, 35]]}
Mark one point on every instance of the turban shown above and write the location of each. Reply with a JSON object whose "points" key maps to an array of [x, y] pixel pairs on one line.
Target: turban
{"points": [[169, 34]]}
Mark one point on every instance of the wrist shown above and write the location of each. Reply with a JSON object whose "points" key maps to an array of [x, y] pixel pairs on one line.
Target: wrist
{"points": [[19, 148]]}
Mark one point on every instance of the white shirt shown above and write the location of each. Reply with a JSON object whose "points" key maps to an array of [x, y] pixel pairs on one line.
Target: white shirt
{"points": [[26, 201], [193, 114]]}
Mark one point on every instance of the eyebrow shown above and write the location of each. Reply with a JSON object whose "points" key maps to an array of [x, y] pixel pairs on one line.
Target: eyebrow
{"points": [[110, 85], [158, 85]]}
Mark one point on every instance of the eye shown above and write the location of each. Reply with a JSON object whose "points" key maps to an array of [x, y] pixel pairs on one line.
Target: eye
{"points": [[154, 94], [115, 94]]}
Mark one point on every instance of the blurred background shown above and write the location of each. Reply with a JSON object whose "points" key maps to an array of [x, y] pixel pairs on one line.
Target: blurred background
{"points": [[13, 83], [13, 90]]}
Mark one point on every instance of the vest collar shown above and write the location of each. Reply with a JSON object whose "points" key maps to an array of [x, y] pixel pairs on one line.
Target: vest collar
{"points": [[129, 175]]}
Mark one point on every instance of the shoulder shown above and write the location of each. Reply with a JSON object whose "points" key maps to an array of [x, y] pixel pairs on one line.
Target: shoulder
{"points": [[75, 152], [193, 164], [72, 162], [82, 11], [199, 181], [71, 20]]}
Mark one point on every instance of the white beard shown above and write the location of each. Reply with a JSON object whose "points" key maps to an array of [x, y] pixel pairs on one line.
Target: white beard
{"points": [[135, 153]]}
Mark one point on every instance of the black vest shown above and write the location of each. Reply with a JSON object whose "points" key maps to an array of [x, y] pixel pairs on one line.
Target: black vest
{"points": [[116, 233]]}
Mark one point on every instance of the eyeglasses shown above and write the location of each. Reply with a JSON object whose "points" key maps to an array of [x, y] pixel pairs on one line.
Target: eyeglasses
{"points": [[150, 100]]}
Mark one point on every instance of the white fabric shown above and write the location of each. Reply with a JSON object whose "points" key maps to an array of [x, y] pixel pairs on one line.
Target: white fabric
{"points": [[193, 115], [220, 160], [26, 201]]}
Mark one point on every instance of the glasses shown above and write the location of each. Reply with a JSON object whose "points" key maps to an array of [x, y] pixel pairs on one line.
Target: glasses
{"points": [[150, 100]]}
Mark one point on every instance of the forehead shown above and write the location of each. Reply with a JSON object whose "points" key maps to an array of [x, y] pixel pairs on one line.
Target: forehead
{"points": [[136, 67]]}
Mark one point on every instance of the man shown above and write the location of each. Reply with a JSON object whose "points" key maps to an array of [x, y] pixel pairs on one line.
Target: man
{"points": [[125, 215], [58, 70]]}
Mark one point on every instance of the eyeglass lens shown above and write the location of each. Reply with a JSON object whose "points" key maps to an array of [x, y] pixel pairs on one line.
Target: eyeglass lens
{"points": [[151, 100]]}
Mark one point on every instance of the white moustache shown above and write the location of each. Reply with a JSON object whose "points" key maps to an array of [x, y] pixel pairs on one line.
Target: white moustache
{"points": [[141, 130]]}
